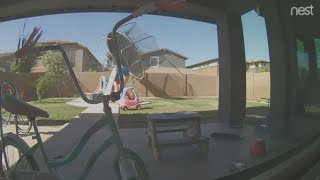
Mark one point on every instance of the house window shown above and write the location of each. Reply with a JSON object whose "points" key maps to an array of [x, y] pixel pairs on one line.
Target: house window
{"points": [[154, 61]]}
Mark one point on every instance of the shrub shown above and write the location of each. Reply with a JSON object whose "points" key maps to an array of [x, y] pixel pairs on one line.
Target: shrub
{"points": [[265, 68], [54, 63], [43, 84], [2, 69]]}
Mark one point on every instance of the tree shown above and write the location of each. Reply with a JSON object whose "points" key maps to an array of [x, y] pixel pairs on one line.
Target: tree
{"points": [[43, 85], [54, 63], [23, 65], [2, 69], [265, 68]]}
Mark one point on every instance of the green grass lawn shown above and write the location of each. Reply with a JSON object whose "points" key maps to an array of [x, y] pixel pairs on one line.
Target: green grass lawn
{"points": [[206, 106], [57, 108]]}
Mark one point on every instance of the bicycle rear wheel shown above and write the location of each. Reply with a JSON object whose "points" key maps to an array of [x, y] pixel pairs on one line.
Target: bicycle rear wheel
{"points": [[14, 149], [24, 124]]}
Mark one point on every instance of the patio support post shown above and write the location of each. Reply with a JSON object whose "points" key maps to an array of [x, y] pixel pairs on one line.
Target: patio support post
{"points": [[311, 50], [283, 70], [232, 70]]}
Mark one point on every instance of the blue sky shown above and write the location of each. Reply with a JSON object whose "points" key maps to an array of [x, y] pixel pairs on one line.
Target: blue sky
{"points": [[196, 40]]}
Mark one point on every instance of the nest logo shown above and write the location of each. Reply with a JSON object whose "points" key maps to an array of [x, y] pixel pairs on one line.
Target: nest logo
{"points": [[302, 11]]}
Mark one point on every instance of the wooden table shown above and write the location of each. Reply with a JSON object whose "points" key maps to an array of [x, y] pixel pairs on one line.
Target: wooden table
{"points": [[191, 133]]}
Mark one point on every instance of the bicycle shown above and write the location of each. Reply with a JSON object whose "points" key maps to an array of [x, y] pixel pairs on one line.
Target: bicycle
{"points": [[127, 164], [21, 122], [25, 158]]}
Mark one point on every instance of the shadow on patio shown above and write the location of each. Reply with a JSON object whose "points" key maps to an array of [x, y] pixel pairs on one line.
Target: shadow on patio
{"points": [[176, 163], [254, 115]]}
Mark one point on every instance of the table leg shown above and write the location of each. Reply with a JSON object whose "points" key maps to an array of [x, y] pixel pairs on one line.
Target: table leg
{"points": [[194, 128], [203, 147], [149, 134], [197, 126]]}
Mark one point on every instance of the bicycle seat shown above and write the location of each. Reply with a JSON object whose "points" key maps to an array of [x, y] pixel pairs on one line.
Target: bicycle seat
{"points": [[16, 106]]}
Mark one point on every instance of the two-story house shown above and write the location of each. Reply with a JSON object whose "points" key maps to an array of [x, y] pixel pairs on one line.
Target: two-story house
{"points": [[79, 56], [160, 58]]}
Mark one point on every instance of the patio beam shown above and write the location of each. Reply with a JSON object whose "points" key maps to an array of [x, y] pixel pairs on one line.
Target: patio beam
{"points": [[232, 70], [283, 67], [311, 51]]}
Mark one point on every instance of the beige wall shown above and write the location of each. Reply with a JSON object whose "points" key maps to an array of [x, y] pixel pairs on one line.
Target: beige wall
{"points": [[154, 84], [213, 71], [202, 85], [88, 82], [258, 85], [65, 87], [166, 85], [23, 82], [163, 85]]}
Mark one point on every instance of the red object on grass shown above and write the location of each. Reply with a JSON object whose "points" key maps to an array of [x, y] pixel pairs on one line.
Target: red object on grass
{"points": [[258, 148]]}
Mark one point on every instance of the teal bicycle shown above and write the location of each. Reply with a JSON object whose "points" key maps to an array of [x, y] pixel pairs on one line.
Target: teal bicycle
{"points": [[17, 157], [127, 164], [21, 164]]}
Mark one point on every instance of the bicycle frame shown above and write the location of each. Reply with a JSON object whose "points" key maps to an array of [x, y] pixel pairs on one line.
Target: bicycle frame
{"points": [[114, 139]]}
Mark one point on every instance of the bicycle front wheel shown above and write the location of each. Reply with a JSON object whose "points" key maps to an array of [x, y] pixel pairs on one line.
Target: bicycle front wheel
{"points": [[24, 124], [15, 148]]}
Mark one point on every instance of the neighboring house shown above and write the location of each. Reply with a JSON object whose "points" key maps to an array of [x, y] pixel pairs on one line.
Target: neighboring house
{"points": [[257, 64], [215, 63], [209, 67], [160, 58], [6, 61], [80, 57], [163, 58], [204, 64]]}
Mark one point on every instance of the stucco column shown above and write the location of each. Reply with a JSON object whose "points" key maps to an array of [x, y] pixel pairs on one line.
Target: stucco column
{"points": [[232, 70], [283, 71], [311, 50]]}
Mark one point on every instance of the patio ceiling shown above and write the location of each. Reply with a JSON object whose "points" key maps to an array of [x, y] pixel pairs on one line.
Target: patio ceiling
{"points": [[201, 10]]}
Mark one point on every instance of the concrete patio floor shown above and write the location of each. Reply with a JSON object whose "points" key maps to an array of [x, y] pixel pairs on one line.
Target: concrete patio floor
{"points": [[176, 163]]}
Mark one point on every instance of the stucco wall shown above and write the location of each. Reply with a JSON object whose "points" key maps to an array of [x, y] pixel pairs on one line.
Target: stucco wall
{"points": [[165, 85], [80, 57], [202, 85], [258, 85], [23, 82], [214, 71], [154, 84]]}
